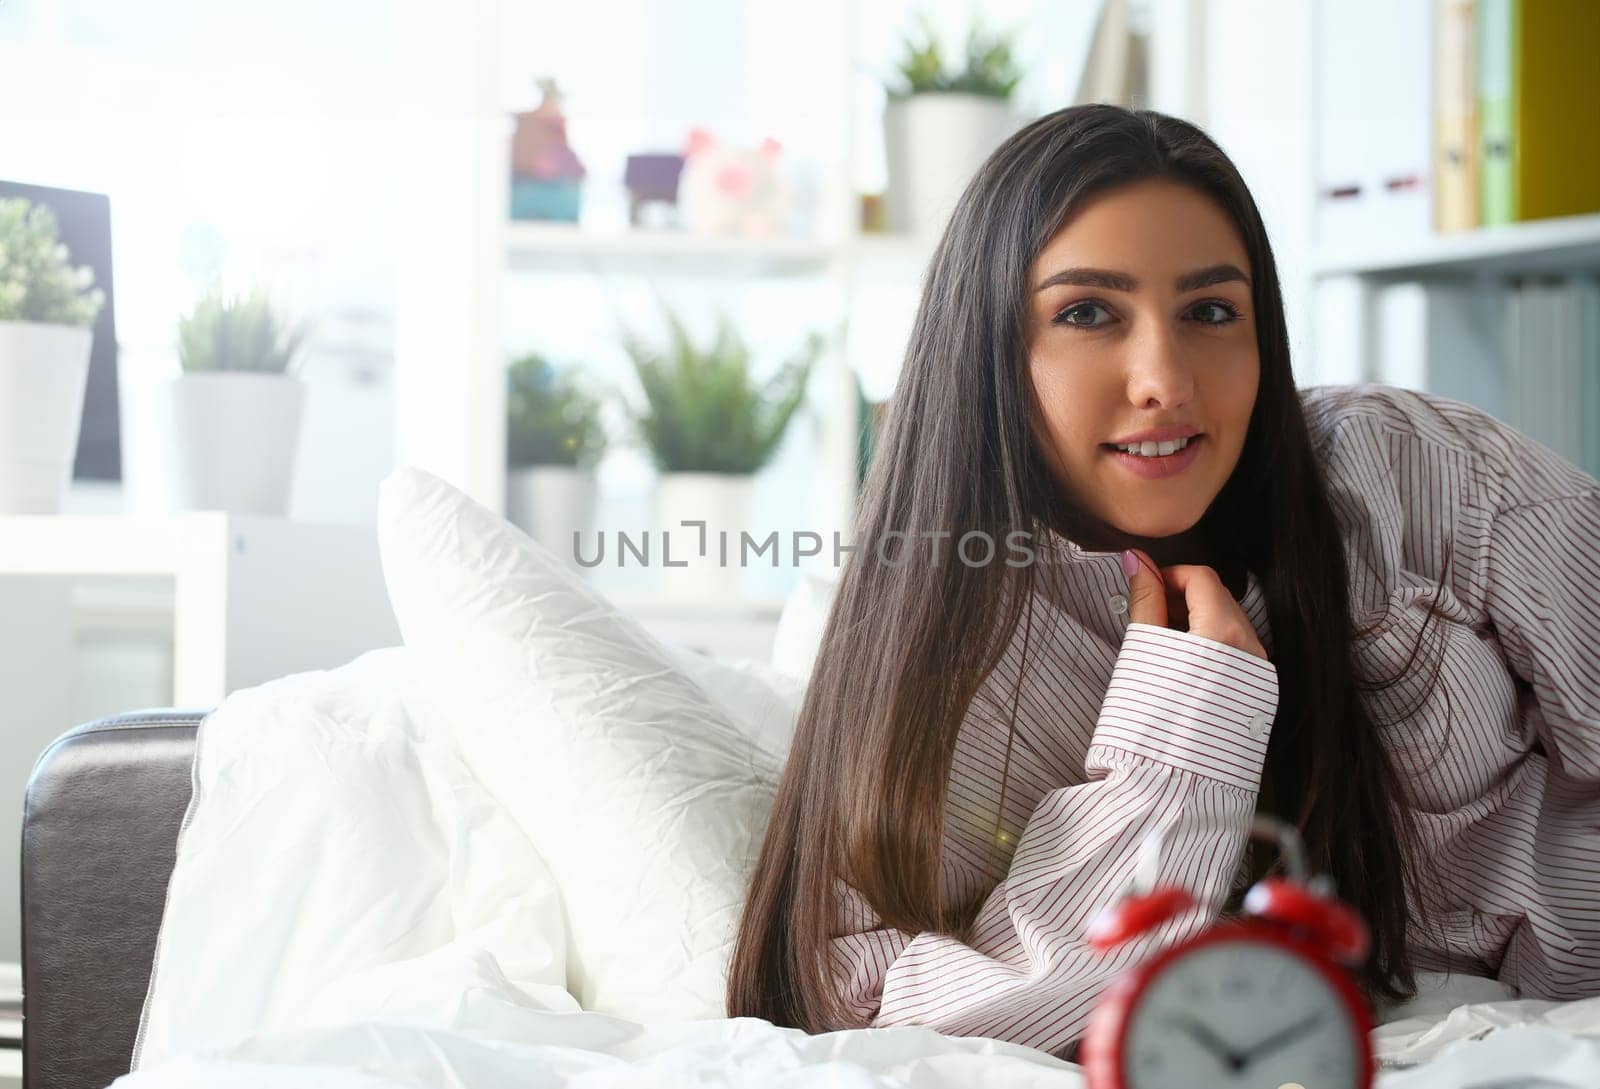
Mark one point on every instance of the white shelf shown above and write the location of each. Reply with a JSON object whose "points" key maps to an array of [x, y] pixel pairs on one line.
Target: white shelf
{"points": [[560, 248], [541, 247], [1542, 245], [253, 598]]}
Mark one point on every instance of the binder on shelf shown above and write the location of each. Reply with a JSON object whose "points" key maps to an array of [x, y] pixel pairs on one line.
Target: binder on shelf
{"points": [[1580, 334], [1494, 111], [1566, 376], [1544, 373], [1539, 108], [1374, 132], [1554, 366], [1455, 116], [1446, 336], [1525, 379]]}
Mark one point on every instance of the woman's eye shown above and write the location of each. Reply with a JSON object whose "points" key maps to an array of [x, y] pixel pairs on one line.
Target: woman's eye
{"points": [[1082, 315], [1221, 313], [1083, 311]]}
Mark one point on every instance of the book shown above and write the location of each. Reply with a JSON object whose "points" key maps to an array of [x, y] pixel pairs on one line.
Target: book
{"points": [[1455, 116], [1527, 360], [1579, 334], [1374, 125], [1554, 367], [1538, 109], [1494, 55], [1445, 336]]}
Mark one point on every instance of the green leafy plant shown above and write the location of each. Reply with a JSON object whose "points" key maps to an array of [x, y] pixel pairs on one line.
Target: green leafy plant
{"points": [[989, 66], [550, 418], [37, 280], [703, 412], [236, 334]]}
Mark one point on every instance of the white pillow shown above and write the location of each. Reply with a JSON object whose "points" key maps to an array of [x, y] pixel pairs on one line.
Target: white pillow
{"points": [[645, 798], [761, 701], [333, 830], [800, 624]]}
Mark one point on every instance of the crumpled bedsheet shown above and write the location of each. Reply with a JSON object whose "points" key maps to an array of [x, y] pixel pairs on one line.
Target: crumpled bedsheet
{"points": [[451, 1020]]}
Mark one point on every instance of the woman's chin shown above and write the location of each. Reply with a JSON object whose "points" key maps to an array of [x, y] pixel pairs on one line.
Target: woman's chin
{"points": [[1141, 533]]}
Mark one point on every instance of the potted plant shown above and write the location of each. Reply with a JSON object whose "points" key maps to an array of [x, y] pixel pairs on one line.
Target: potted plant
{"points": [[553, 440], [47, 309], [940, 123], [231, 424], [710, 426]]}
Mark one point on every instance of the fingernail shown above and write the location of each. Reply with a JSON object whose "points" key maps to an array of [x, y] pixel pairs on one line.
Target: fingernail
{"points": [[1130, 563]]}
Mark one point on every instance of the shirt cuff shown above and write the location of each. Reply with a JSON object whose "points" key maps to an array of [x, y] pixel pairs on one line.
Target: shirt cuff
{"points": [[1188, 701]]}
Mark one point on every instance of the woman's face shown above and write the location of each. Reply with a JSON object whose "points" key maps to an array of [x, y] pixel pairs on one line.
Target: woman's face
{"points": [[1141, 320]]}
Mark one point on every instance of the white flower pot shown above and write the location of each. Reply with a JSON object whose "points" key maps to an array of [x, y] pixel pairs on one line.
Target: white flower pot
{"points": [[43, 372], [723, 502], [229, 440], [934, 144], [552, 502]]}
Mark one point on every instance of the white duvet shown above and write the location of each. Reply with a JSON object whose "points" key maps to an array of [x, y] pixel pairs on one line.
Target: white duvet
{"points": [[351, 909], [455, 1021], [451, 1023]]}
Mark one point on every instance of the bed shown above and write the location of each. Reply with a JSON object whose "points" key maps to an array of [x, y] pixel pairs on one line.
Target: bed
{"points": [[510, 852]]}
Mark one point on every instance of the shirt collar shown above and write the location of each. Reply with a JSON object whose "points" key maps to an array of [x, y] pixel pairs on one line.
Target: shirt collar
{"points": [[1057, 544]]}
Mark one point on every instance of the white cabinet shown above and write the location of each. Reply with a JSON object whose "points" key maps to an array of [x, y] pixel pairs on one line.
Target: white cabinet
{"points": [[243, 600], [253, 598]]}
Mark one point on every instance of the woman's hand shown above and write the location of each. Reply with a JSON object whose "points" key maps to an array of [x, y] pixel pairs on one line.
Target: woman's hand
{"points": [[1189, 597]]}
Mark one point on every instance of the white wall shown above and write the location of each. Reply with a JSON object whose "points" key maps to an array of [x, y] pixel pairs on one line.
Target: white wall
{"points": [[1258, 107]]}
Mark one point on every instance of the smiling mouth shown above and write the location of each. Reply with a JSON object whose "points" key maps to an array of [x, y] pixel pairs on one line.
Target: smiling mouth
{"points": [[1153, 451]]}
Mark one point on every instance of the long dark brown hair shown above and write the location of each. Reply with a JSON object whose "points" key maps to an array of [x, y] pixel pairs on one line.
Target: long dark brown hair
{"points": [[906, 645]]}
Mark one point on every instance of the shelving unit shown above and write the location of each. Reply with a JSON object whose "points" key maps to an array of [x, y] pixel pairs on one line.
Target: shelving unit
{"points": [[1506, 317], [837, 257], [1553, 246], [1468, 315], [657, 255]]}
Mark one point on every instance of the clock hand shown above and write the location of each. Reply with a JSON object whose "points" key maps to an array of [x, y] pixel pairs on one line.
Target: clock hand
{"points": [[1209, 1040], [1281, 1037]]}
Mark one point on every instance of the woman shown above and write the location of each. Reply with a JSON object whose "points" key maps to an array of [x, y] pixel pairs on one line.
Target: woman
{"points": [[1370, 611]]}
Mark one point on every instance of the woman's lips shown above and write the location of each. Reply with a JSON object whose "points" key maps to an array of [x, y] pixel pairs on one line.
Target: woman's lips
{"points": [[1157, 467]]}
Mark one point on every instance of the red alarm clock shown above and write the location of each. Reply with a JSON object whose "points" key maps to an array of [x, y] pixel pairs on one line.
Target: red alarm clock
{"points": [[1263, 1002]]}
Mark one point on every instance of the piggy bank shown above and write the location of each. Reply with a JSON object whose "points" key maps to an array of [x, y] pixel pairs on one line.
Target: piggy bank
{"points": [[731, 191]]}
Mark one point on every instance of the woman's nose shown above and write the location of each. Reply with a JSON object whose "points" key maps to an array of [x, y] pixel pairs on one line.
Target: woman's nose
{"points": [[1158, 374]]}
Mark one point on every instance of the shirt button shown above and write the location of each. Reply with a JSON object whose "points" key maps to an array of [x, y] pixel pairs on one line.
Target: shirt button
{"points": [[1259, 725], [1119, 603]]}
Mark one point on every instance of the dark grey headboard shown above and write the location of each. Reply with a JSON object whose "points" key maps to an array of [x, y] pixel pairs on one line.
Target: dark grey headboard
{"points": [[99, 837]]}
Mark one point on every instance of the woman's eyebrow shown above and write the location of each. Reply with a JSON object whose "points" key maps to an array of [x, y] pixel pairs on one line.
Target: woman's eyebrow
{"points": [[1121, 281]]}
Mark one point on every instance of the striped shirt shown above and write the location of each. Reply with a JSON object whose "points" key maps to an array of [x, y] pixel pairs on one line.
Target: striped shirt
{"points": [[1124, 728]]}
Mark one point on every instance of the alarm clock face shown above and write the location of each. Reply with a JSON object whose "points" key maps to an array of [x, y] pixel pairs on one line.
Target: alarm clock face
{"points": [[1241, 1014]]}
